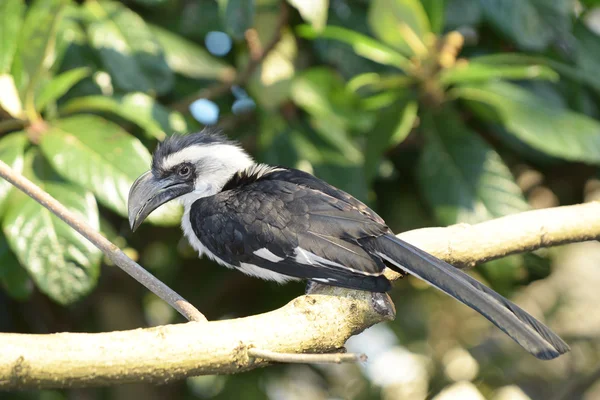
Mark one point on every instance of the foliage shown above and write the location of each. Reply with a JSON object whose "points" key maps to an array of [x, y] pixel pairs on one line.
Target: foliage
{"points": [[426, 110]]}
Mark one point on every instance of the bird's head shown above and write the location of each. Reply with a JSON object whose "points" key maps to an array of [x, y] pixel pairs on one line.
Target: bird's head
{"points": [[185, 167]]}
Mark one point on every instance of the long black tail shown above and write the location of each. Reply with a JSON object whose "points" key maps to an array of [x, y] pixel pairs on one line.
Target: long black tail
{"points": [[535, 337]]}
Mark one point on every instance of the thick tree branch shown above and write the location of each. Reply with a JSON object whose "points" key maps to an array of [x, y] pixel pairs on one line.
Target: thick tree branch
{"points": [[466, 245], [317, 323], [113, 252]]}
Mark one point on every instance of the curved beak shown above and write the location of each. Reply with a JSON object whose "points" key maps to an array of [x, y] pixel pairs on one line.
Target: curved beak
{"points": [[148, 193]]}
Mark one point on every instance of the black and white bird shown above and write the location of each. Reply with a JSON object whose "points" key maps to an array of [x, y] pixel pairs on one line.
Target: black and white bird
{"points": [[283, 224]]}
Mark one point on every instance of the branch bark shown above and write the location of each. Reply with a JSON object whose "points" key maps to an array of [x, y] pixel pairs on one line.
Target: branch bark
{"points": [[314, 324], [465, 246], [317, 323]]}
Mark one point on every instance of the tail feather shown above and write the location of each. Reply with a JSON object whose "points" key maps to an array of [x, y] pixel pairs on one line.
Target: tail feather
{"points": [[535, 337]]}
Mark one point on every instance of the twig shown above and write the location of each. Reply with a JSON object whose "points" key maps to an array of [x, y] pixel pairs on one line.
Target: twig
{"points": [[113, 252], [255, 60], [300, 358]]}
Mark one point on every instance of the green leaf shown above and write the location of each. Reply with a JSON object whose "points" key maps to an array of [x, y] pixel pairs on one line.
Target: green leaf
{"points": [[538, 122], [237, 16], [10, 101], [62, 263], [11, 19], [461, 176], [270, 83], [59, 85], [314, 11], [587, 58], [435, 10], [362, 45], [588, 77], [323, 94], [37, 39], [13, 277], [108, 160], [128, 49], [189, 59], [531, 24], [478, 72], [462, 13], [139, 108], [392, 127], [12, 148], [402, 24]]}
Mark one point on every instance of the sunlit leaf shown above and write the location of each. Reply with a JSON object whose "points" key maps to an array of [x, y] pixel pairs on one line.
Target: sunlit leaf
{"points": [[62, 263], [139, 108], [334, 110], [189, 59], [435, 10], [570, 72], [362, 45], [461, 176], [539, 123], [10, 101], [402, 24], [322, 93], [237, 15], [313, 11], [127, 48], [11, 19], [108, 160], [270, 84], [12, 148], [37, 39], [476, 72], [59, 85]]}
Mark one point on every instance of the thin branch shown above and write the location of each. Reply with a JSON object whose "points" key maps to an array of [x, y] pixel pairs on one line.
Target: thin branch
{"points": [[112, 252], [257, 57], [300, 358]]}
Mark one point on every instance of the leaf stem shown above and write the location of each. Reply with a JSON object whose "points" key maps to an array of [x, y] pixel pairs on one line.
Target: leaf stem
{"points": [[109, 249]]}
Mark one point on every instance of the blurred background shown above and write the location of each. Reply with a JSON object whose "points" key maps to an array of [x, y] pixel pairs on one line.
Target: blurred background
{"points": [[433, 112]]}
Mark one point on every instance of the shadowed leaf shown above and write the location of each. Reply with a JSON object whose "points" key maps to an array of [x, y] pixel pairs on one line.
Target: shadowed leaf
{"points": [[461, 176]]}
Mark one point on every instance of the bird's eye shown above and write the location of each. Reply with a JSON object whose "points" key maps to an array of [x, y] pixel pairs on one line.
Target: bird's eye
{"points": [[184, 170]]}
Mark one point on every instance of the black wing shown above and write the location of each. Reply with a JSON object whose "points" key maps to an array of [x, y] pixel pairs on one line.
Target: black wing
{"points": [[291, 229]]}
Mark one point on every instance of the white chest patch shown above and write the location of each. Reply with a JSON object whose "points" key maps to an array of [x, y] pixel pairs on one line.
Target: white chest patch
{"points": [[186, 226]]}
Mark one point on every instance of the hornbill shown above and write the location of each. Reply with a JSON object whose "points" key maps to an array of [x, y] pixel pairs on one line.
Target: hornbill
{"points": [[283, 224]]}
